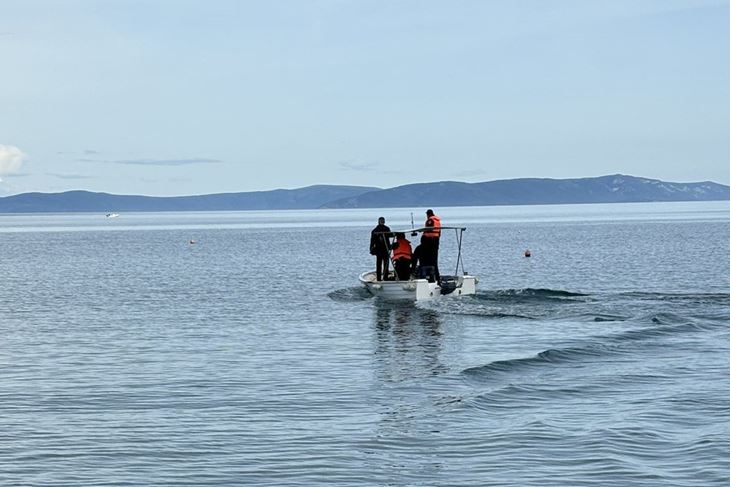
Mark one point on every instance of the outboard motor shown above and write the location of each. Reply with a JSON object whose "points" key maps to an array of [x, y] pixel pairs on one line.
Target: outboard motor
{"points": [[448, 284]]}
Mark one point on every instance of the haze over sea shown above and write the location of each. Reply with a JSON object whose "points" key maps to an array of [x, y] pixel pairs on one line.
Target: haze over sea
{"points": [[132, 356]]}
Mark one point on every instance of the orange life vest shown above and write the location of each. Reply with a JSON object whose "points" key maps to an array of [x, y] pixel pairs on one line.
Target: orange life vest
{"points": [[402, 250], [435, 224]]}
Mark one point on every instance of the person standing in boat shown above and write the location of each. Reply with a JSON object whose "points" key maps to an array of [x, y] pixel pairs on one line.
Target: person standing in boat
{"points": [[402, 255], [422, 264], [379, 247], [430, 239]]}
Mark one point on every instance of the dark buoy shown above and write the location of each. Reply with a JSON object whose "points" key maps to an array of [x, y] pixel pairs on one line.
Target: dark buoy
{"points": [[528, 253]]}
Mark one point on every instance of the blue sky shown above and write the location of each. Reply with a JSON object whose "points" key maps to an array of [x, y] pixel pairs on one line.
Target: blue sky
{"points": [[176, 97]]}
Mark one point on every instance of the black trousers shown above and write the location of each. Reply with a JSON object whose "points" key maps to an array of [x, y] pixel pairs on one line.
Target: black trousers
{"points": [[403, 269], [382, 265], [431, 245], [427, 272]]}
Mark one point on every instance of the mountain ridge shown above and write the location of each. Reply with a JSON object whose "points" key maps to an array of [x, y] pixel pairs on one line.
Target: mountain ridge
{"points": [[616, 188]]}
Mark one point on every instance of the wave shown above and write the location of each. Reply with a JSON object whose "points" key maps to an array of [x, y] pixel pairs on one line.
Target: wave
{"points": [[529, 294], [520, 304], [350, 294], [691, 298], [662, 318], [497, 315], [536, 362], [464, 306], [628, 342], [679, 326], [602, 318], [555, 304]]}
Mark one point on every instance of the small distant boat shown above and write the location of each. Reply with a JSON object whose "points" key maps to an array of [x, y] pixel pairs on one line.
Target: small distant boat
{"points": [[415, 289], [112, 215]]}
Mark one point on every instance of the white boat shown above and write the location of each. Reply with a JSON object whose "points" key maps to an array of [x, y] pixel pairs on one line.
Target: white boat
{"points": [[418, 289], [415, 289], [112, 215]]}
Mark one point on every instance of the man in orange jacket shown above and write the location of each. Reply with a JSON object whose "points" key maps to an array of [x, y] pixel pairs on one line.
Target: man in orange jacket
{"points": [[402, 255], [430, 239]]}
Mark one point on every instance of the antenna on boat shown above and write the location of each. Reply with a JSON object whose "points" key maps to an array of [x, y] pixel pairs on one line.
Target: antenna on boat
{"points": [[459, 258], [413, 227]]}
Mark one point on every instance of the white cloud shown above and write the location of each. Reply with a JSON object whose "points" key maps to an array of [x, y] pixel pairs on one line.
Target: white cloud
{"points": [[157, 162], [11, 158]]}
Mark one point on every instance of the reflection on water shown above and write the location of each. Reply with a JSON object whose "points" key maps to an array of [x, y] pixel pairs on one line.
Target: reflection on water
{"points": [[407, 348], [407, 342]]}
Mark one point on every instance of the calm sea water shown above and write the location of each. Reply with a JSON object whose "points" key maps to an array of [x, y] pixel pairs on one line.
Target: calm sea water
{"points": [[131, 356]]}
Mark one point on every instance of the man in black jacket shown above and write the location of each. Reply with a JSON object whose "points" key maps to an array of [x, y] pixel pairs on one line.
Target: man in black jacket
{"points": [[379, 247]]}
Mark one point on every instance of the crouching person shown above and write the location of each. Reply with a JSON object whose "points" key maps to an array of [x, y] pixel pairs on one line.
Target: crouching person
{"points": [[402, 255]]}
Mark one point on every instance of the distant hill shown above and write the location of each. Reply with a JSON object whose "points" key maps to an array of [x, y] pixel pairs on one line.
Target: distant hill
{"points": [[606, 189], [85, 201]]}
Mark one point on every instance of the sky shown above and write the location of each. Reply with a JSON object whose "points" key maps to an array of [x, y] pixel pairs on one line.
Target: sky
{"points": [[183, 97]]}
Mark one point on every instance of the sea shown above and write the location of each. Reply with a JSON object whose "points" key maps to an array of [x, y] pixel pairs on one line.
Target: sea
{"points": [[238, 348]]}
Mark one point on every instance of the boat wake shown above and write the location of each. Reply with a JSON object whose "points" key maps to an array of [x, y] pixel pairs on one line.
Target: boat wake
{"points": [[350, 294], [523, 304], [561, 305], [694, 298], [599, 348], [530, 295]]}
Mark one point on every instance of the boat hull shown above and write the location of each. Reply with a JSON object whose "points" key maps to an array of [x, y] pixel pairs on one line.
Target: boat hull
{"points": [[414, 289]]}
